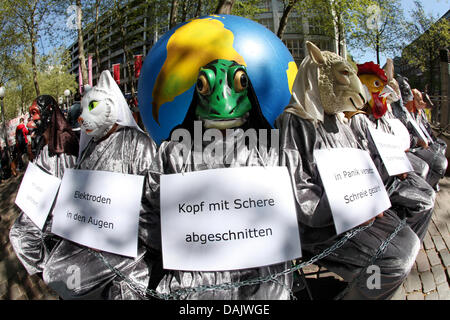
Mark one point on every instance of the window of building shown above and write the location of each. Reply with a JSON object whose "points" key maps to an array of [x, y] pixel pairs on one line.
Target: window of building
{"points": [[294, 25], [315, 27], [267, 22], [265, 5], [295, 46]]}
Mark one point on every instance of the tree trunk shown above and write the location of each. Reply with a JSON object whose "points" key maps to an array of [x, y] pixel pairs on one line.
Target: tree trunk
{"points": [[126, 51], [81, 55], [198, 10], [339, 36], [430, 70], [184, 11], [173, 14], [224, 7], [33, 59], [284, 18], [377, 47]]}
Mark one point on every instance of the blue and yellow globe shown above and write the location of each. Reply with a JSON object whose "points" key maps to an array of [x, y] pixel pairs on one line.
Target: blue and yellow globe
{"points": [[168, 76]]}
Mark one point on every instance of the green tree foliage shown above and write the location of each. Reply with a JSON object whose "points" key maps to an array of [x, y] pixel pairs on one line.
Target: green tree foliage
{"points": [[377, 25], [53, 77]]}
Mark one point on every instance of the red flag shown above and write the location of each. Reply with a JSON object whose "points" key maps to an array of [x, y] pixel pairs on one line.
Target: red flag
{"points": [[116, 72], [137, 65]]}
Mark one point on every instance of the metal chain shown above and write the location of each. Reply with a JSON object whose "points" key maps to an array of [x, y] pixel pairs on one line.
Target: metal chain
{"points": [[145, 292]]}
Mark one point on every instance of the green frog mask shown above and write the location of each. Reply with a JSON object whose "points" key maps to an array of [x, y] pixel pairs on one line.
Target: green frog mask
{"points": [[222, 90]]}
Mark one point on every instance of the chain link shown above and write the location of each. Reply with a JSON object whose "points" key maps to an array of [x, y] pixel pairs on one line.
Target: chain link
{"points": [[379, 252]]}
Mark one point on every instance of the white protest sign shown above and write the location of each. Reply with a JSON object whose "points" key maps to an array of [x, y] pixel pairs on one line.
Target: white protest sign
{"points": [[36, 194], [99, 209], [353, 186], [390, 149], [418, 130], [227, 219], [401, 132]]}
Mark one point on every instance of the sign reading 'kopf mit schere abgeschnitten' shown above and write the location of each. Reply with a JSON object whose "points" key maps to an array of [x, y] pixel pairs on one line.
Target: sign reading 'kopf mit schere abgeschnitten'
{"points": [[227, 219]]}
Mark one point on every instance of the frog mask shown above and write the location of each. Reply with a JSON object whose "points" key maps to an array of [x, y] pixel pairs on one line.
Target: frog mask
{"points": [[222, 91]]}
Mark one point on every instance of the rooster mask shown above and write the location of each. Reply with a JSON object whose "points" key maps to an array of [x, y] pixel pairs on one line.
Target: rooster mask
{"points": [[375, 82]]}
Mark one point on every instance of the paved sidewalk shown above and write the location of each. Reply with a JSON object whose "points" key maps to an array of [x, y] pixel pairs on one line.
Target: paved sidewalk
{"points": [[429, 279], [15, 283]]}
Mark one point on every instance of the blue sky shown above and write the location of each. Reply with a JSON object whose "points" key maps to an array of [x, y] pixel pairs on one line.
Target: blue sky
{"points": [[437, 8]]}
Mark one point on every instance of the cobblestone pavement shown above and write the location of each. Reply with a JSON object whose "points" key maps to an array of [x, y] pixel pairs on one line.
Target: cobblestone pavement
{"points": [[15, 283], [428, 280]]}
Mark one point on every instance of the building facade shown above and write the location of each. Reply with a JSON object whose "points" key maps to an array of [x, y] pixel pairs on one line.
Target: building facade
{"points": [[145, 30], [439, 90]]}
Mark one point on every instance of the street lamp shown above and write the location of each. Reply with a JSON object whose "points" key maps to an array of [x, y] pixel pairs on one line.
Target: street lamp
{"points": [[67, 94], [2, 95]]}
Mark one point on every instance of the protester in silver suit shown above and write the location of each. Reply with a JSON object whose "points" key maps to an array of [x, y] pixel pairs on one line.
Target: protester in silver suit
{"points": [[57, 150], [434, 153], [411, 196], [396, 110], [327, 85], [115, 144], [217, 111]]}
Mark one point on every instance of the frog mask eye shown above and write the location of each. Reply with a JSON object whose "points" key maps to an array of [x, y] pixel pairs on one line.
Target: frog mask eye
{"points": [[205, 82], [240, 81]]}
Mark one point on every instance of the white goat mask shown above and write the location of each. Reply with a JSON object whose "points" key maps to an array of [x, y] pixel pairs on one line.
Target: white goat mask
{"points": [[325, 83]]}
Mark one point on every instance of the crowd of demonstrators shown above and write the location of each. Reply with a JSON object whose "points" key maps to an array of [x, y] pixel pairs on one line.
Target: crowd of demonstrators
{"points": [[21, 144], [332, 106], [56, 150]]}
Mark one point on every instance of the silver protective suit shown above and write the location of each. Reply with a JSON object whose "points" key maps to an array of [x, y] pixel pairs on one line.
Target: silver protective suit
{"points": [[412, 198], [128, 151], [32, 245], [299, 139], [300, 136], [434, 155], [239, 155]]}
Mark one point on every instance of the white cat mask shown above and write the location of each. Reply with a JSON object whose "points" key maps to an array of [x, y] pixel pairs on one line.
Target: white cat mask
{"points": [[100, 107]]}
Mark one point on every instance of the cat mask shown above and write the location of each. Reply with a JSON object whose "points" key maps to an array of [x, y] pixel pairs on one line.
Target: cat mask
{"points": [[100, 107]]}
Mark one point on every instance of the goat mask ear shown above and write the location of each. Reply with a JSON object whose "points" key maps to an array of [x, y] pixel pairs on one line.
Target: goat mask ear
{"points": [[315, 53], [389, 69]]}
